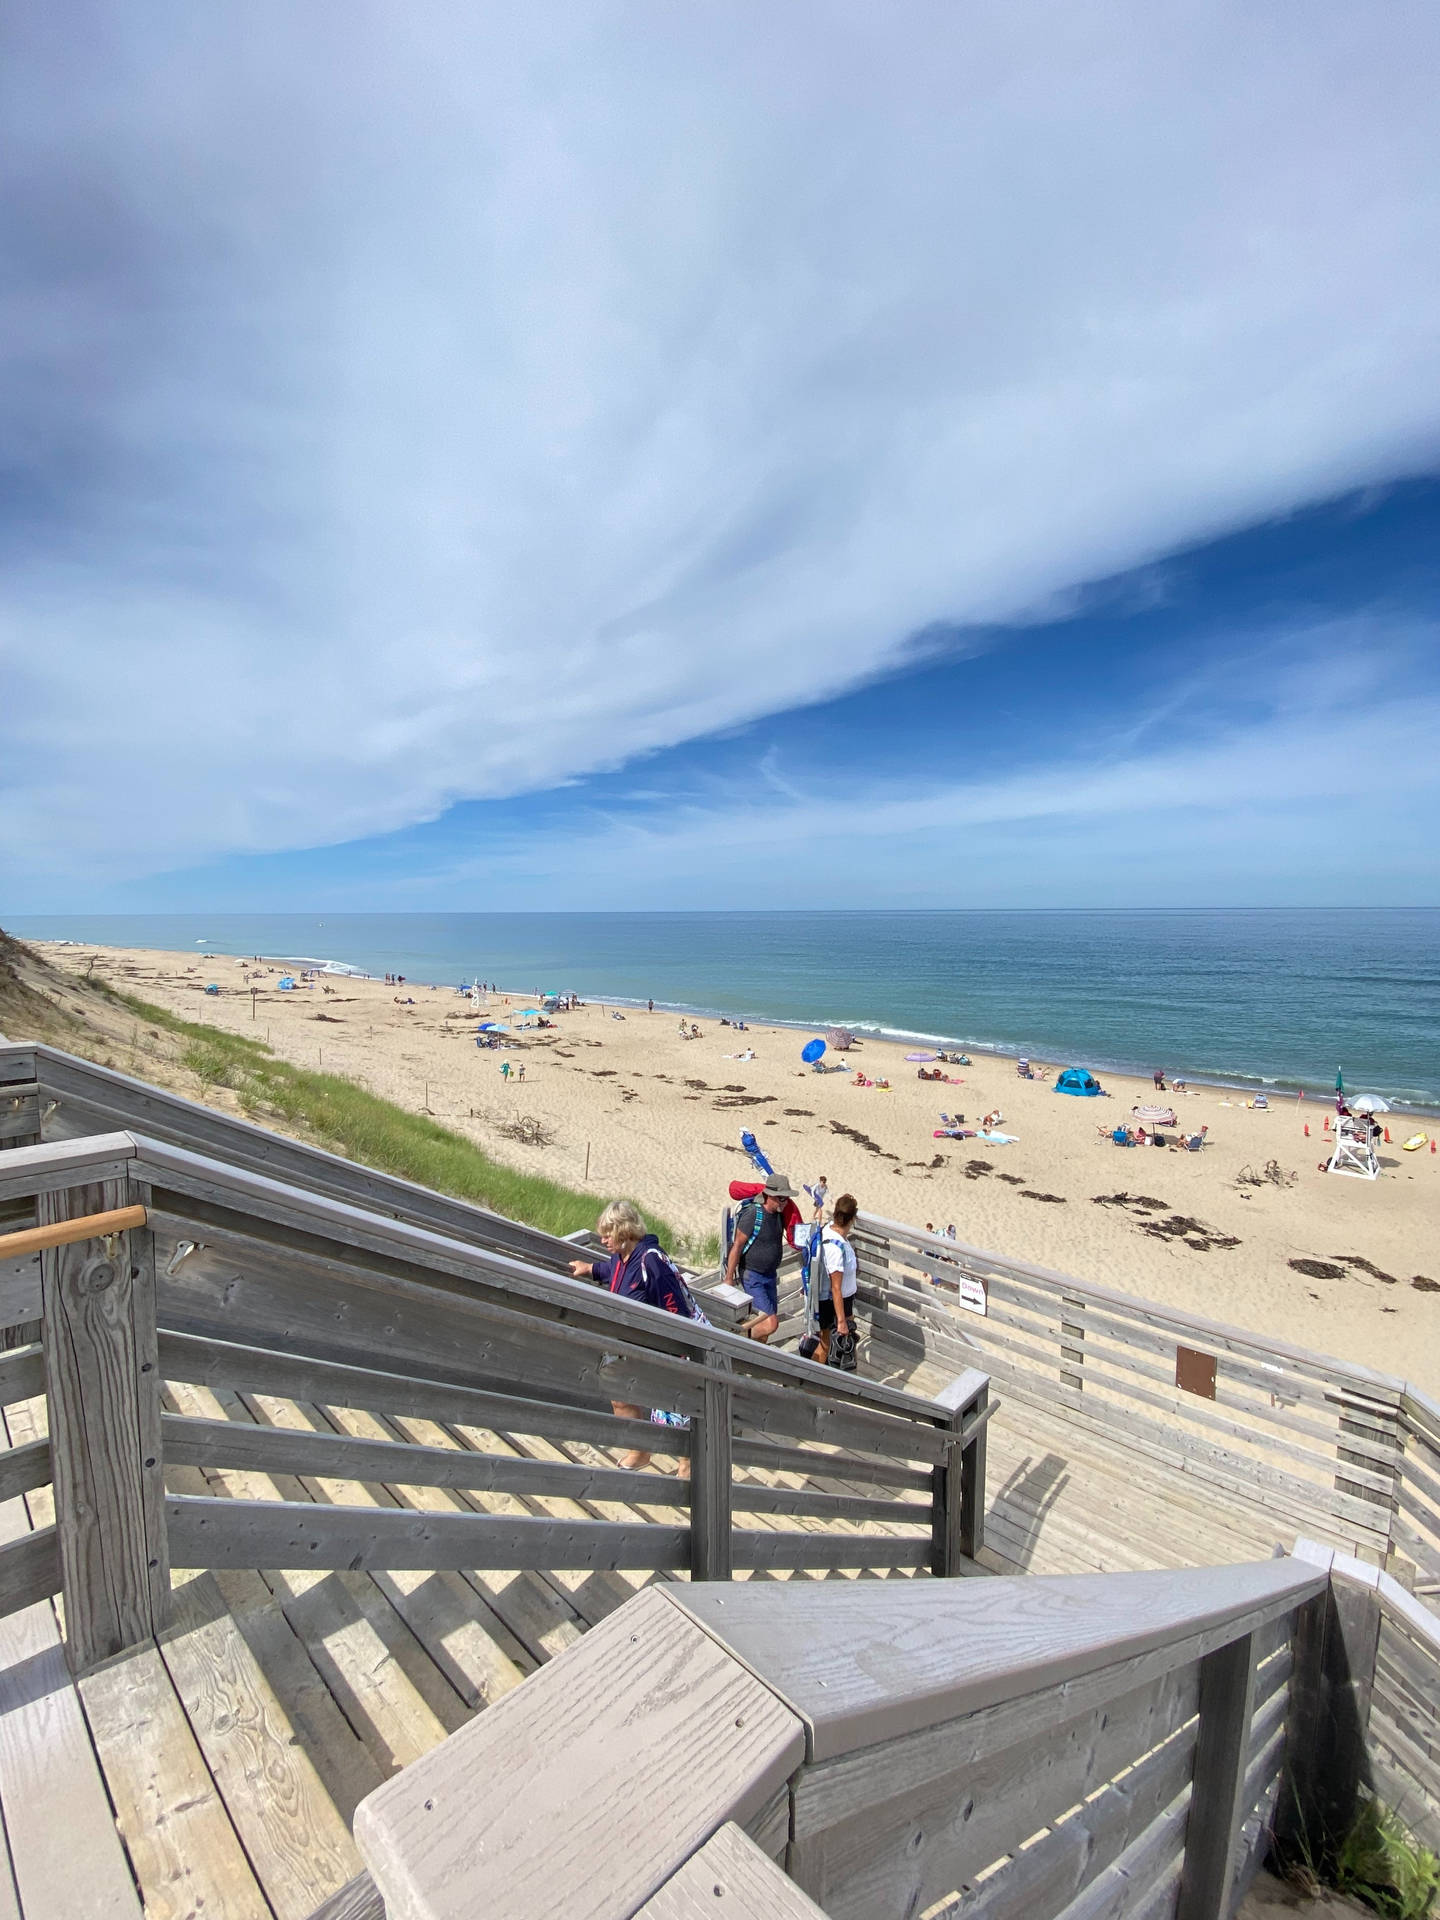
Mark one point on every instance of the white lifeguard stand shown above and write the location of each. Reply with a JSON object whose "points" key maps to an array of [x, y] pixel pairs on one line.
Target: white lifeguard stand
{"points": [[1354, 1150]]}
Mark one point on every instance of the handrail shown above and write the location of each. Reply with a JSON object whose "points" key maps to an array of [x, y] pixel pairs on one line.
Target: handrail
{"points": [[1052, 1746], [88, 1226], [216, 1273]]}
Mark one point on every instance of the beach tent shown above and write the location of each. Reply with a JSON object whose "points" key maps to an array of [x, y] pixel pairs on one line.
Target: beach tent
{"points": [[1078, 1080]]}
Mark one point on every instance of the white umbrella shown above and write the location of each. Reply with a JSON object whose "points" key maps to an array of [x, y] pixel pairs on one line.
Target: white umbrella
{"points": [[1369, 1103]]}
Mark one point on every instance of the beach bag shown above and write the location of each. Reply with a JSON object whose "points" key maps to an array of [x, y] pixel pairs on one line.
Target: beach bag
{"points": [[669, 1271], [844, 1351]]}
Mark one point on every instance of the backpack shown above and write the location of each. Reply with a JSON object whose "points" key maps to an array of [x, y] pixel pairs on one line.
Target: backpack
{"points": [[669, 1271]]}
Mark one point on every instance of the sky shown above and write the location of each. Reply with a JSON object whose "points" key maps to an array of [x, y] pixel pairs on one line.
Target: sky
{"points": [[627, 455]]}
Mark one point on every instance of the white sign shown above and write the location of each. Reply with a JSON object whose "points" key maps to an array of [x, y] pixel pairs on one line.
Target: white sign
{"points": [[964, 1290], [972, 1295]]}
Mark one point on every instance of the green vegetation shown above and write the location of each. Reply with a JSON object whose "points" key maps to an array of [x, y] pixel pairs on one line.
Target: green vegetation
{"points": [[1383, 1865], [350, 1121]]}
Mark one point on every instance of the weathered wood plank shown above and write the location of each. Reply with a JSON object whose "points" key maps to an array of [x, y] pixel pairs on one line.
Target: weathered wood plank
{"points": [[958, 1502], [1049, 1873], [710, 1471], [234, 1443], [265, 1533], [292, 1831], [912, 1849], [775, 1457], [818, 1551], [358, 1899], [62, 1836], [628, 1752], [47, 1762], [22, 1374], [919, 1653], [730, 1878], [103, 1393], [1227, 1703], [29, 1569], [183, 1848], [51, 1165], [218, 1363]]}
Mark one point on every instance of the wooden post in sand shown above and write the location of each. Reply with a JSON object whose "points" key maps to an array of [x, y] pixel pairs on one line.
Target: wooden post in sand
{"points": [[587, 1160]]}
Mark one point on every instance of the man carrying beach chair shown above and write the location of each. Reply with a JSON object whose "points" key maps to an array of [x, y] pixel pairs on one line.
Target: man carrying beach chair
{"points": [[756, 1251]]}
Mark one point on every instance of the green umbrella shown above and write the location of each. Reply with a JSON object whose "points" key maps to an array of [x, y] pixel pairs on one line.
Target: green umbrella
{"points": [[1339, 1081]]}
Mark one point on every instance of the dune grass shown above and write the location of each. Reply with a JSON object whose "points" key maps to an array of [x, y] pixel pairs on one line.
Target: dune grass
{"points": [[351, 1121]]}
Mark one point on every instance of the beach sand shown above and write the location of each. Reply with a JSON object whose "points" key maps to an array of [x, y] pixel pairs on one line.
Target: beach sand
{"points": [[660, 1118]]}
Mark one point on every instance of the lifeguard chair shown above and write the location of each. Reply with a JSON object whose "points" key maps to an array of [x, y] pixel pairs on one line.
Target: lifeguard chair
{"points": [[1354, 1150]]}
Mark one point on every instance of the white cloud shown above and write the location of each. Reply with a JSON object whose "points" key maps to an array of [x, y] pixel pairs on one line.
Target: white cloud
{"points": [[420, 405]]}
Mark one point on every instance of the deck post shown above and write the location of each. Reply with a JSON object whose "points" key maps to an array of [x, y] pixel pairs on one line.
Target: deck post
{"points": [[103, 1385], [958, 1486], [1227, 1700], [711, 1451]]}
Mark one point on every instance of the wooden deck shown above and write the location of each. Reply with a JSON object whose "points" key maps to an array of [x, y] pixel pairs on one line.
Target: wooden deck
{"points": [[217, 1773]]}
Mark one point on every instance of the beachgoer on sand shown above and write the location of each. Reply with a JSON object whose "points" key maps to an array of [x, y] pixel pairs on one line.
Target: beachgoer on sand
{"points": [[505, 1071], [637, 1268], [520, 1071], [756, 1250]]}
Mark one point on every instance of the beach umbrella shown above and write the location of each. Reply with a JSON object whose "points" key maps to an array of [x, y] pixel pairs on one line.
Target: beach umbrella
{"points": [[492, 1026], [1370, 1103], [840, 1037], [1156, 1116], [920, 1056], [812, 1051]]}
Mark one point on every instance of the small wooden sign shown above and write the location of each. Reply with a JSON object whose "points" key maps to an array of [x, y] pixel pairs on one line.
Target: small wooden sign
{"points": [[1195, 1372]]}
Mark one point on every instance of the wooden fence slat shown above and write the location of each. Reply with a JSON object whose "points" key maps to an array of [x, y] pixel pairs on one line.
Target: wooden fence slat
{"points": [[206, 1362], [278, 1533], [103, 1392], [29, 1569], [286, 1450], [711, 1439], [22, 1374], [1227, 1696]]}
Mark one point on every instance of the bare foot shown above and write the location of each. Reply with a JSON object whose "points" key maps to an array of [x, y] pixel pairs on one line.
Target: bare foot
{"points": [[633, 1462], [682, 1469]]}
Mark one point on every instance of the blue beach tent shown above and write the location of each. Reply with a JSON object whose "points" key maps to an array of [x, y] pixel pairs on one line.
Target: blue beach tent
{"points": [[1078, 1080]]}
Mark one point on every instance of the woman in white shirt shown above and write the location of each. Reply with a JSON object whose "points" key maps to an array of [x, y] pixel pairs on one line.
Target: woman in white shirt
{"points": [[836, 1311]]}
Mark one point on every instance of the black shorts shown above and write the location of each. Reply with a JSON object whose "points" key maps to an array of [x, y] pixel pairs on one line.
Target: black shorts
{"points": [[826, 1313]]}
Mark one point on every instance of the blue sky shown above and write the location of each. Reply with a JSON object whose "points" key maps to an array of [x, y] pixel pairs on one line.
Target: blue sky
{"points": [[670, 457]]}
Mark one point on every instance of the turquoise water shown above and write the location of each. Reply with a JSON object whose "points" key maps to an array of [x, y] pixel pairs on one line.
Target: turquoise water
{"points": [[1250, 998]]}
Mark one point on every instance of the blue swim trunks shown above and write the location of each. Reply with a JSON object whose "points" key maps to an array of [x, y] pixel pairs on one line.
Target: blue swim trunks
{"points": [[764, 1291]]}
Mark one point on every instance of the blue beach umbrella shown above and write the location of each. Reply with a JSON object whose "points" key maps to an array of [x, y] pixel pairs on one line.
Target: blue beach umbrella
{"points": [[812, 1051]]}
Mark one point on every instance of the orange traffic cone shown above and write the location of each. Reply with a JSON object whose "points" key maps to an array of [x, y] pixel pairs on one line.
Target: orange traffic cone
{"points": [[1387, 1136], [1327, 1123], [1307, 1129]]}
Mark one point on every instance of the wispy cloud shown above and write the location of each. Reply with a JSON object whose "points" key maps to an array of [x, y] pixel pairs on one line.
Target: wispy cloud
{"points": [[414, 406]]}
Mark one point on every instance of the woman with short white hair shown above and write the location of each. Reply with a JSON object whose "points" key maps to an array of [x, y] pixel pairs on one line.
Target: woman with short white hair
{"points": [[637, 1268]]}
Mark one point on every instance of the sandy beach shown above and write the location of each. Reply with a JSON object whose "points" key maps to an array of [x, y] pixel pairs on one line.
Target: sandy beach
{"points": [[659, 1118]]}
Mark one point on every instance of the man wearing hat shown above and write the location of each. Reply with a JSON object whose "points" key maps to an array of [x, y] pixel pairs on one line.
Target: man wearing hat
{"points": [[755, 1252]]}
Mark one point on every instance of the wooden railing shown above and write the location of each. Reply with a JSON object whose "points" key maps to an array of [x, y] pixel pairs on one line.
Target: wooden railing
{"points": [[1325, 1446], [238, 1281], [1016, 1749], [1372, 1720]]}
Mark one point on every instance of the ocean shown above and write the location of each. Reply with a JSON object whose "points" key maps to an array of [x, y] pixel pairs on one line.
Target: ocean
{"points": [[1250, 999]]}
